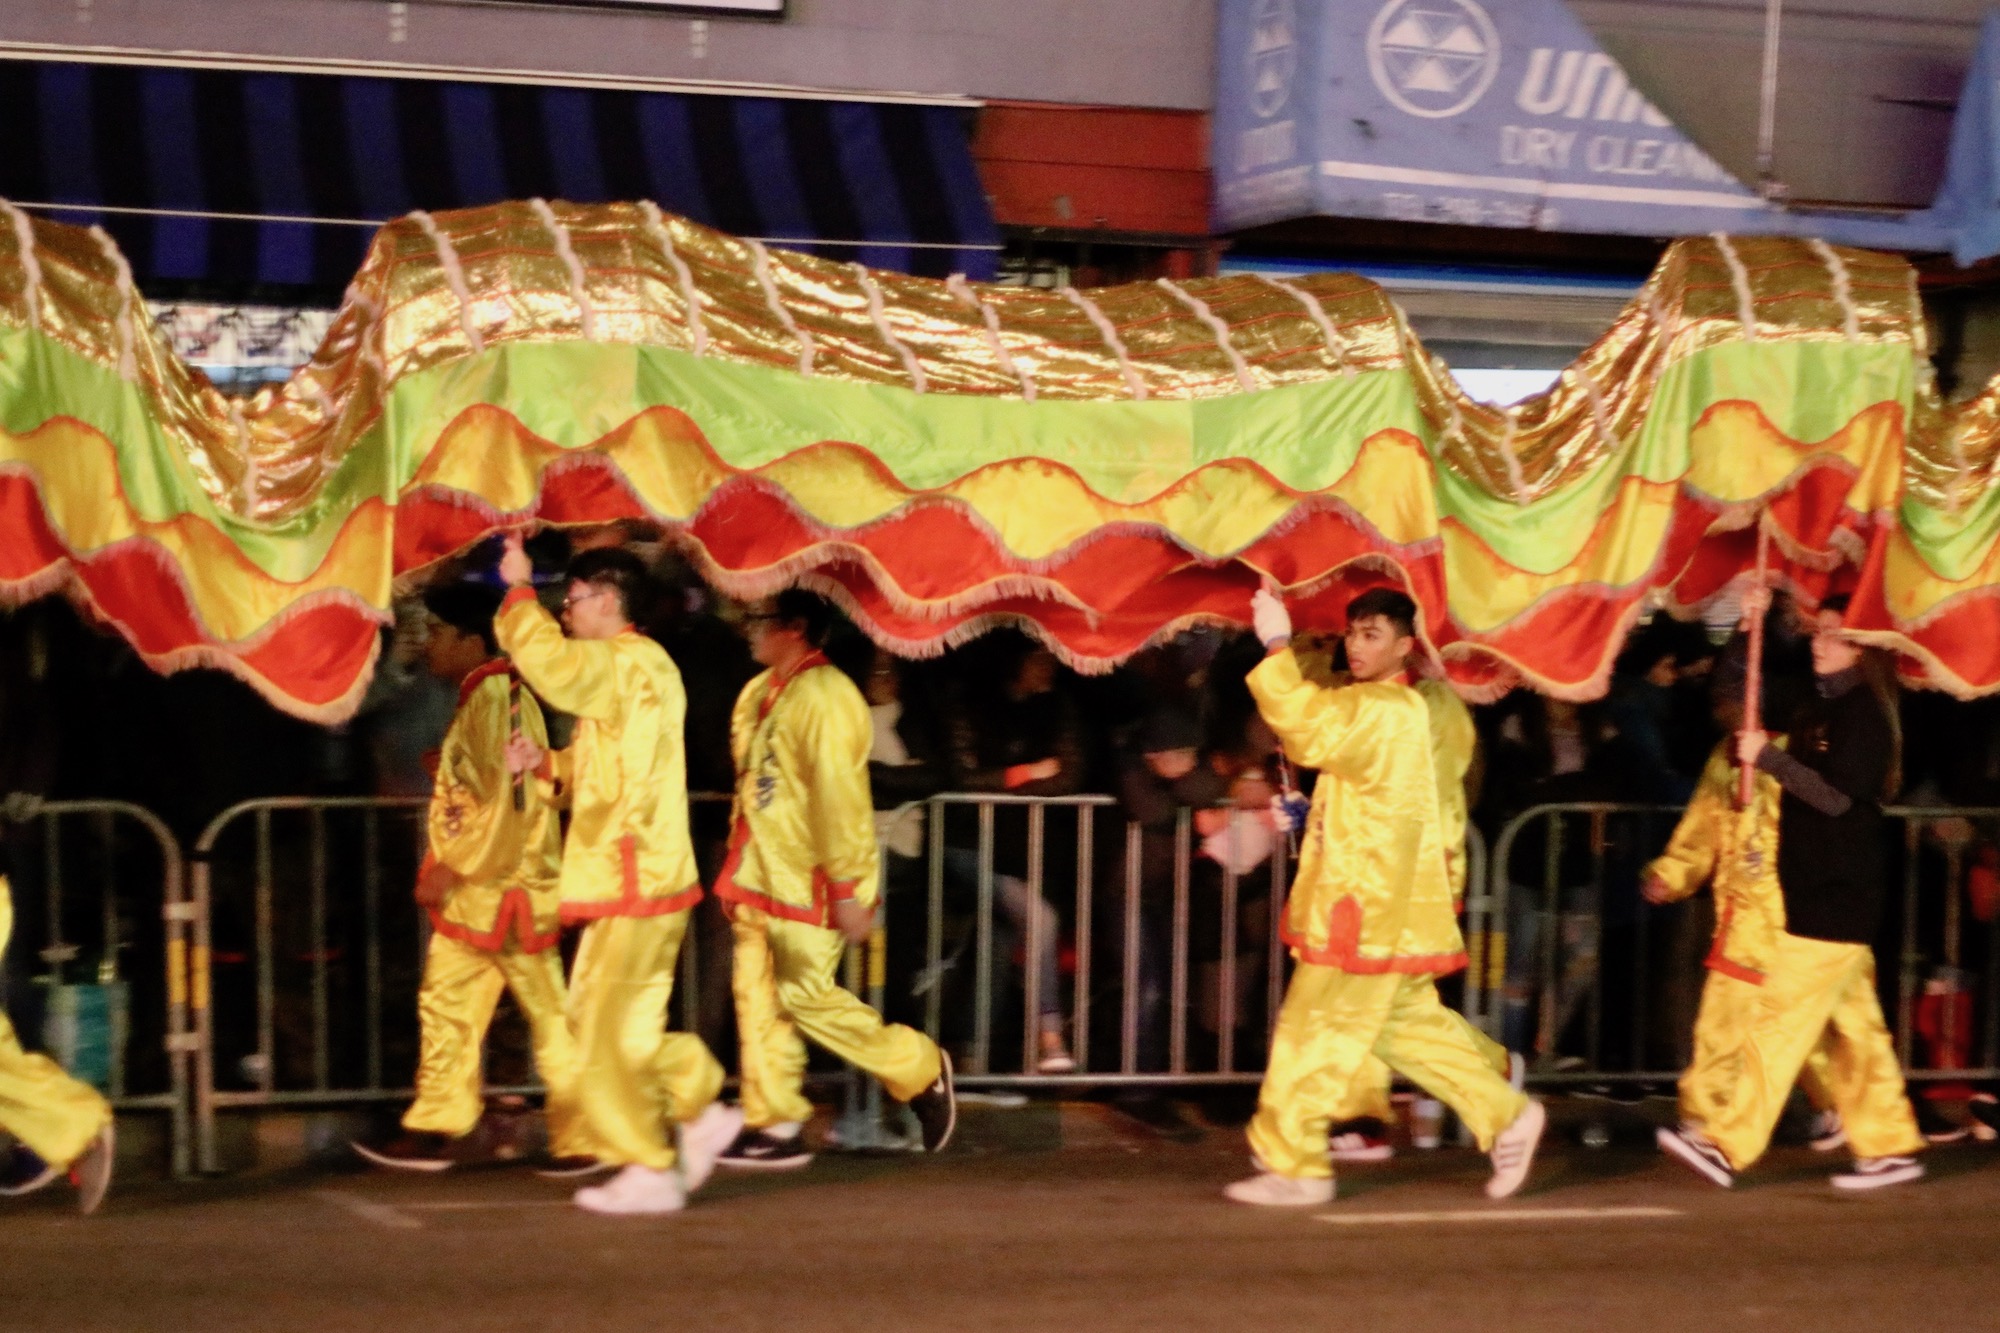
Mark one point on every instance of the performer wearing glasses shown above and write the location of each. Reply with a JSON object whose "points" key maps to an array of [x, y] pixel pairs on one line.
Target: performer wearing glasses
{"points": [[628, 870]]}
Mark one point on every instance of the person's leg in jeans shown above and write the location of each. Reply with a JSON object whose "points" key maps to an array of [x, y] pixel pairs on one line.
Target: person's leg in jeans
{"points": [[1040, 928]]}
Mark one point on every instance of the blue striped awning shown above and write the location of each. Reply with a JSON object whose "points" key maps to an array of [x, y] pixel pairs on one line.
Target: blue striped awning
{"points": [[198, 172]]}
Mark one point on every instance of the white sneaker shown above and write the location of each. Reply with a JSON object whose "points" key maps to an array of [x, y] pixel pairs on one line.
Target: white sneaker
{"points": [[1267, 1189], [702, 1140], [636, 1191], [1826, 1132], [1514, 1151], [91, 1173], [1874, 1173]]}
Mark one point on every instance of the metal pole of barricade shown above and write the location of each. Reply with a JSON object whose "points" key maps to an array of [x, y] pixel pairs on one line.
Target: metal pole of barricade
{"points": [[1034, 910], [1274, 965], [179, 921], [1909, 977], [1178, 1001], [1225, 1021], [982, 1012], [1086, 834], [371, 918], [1594, 1016], [1128, 1026], [1550, 939], [934, 929]]}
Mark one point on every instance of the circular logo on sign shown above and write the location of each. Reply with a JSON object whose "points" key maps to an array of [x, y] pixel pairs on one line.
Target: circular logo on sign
{"points": [[1274, 56], [1433, 58]]}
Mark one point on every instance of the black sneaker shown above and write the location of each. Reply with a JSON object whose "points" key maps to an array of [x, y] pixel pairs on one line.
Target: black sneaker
{"points": [[1159, 1114], [756, 1150], [410, 1151], [1874, 1173], [1936, 1126], [24, 1173], [936, 1107], [1692, 1147], [1985, 1110]]}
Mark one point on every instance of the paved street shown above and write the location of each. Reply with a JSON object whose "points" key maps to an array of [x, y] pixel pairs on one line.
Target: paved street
{"points": [[1114, 1233]]}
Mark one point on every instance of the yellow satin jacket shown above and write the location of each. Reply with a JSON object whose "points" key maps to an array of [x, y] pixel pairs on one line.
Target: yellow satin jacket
{"points": [[507, 860], [628, 852], [1372, 893], [803, 833], [1738, 851]]}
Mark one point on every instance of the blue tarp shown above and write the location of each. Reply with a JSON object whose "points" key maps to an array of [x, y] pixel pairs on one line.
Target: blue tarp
{"points": [[1507, 113]]}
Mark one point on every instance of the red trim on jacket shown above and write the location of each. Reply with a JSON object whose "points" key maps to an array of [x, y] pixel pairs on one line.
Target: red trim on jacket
{"points": [[632, 905], [516, 911], [517, 594], [1717, 961], [1343, 948], [825, 891], [480, 674]]}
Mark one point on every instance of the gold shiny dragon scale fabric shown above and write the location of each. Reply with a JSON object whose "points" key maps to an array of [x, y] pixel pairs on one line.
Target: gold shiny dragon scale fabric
{"points": [[1102, 467]]}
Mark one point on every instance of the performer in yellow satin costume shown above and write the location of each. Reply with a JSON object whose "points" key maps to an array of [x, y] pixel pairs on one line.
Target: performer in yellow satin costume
{"points": [[1815, 961], [489, 886], [801, 881], [1370, 919], [1454, 743], [1737, 851], [628, 870], [62, 1123]]}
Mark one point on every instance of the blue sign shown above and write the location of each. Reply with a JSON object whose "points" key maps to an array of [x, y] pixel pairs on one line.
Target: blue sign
{"points": [[1484, 113]]}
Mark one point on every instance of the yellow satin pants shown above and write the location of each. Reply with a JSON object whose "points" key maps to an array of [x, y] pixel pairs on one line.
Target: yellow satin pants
{"points": [[1368, 1099], [785, 986], [461, 987], [636, 1076], [1812, 985], [54, 1115], [1331, 1023], [1721, 1026]]}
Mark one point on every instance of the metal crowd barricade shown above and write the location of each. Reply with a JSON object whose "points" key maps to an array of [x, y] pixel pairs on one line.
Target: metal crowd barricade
{"points": [[1943, 959], [1586, 845], [291, 1050], [1136, 940], [85, 849], [1943, 1003]]}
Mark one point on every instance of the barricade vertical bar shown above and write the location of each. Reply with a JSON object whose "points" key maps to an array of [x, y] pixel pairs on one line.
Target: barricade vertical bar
{"points": [[1641, 935], [1274, 980], [267, 978], [1597, 893], [371, 910], [1225, 1023], [322, 1059], [1086, 834], [53, 891], [108, 967], [934, 928], [982, 1016], [201, 983], [1128, 1026], [1550, 1006], [1910, 979], [1954, 865], [1992, 994], [1032, 999], [1177, 1033]]}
